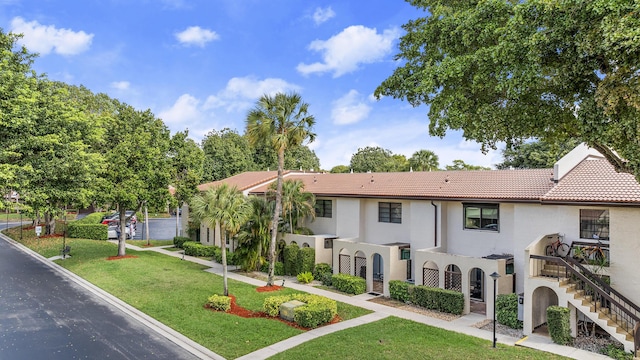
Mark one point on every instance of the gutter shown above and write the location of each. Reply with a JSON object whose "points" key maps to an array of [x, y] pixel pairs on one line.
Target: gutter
{"points": [[435, 224]]}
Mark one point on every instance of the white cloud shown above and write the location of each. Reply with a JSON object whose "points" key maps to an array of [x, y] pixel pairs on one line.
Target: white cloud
{"points": [[44, 39], [195, 35], [349, 109], [321, 15], [184, 110], [242, 92], [120, 85], [344, 52]]}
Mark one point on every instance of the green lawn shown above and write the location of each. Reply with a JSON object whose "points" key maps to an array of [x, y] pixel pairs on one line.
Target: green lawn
{"points": [[174, 292], [143, 243], [395, 338]]}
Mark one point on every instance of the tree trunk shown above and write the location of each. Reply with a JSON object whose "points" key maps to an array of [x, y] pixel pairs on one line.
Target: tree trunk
{"points": [[122, 245], [146, 223], [276, 219], [50, 223], [177, 221], [223, 238]]}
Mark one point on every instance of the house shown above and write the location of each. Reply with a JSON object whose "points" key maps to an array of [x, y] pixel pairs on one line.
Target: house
{"points": [[453, 229]]}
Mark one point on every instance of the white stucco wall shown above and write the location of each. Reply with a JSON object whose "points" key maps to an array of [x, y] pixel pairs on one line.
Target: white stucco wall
{"points": [[325, 225], [347, 213], [625, 251], [376, 232]]}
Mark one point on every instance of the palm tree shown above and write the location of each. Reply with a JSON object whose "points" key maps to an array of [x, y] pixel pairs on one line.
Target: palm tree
{"points": [[424, 160], [282, 122], [254, 236], [223, 206], [296, 203]]}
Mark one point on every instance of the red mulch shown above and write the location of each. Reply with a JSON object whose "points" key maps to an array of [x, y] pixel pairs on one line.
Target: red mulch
{"points": [[268, 288], [245, 313], [121, 257]]}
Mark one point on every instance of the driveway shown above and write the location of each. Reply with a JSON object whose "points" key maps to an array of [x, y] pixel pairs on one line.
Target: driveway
{"points": [[159, 229], [44, 315]]}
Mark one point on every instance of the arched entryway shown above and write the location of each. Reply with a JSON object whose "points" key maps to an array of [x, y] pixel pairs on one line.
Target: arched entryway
{"points": [[378, 273], [453, 278], [544, 297], [430, 274], [360, 263]]}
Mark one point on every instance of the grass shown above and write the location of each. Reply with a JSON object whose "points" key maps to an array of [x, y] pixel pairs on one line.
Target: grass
{"points": [[174, 292], [143, 243], [395, 338], [14, 217]]}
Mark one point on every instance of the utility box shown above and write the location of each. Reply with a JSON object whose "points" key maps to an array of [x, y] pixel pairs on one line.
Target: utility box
{"points": [[287, 309], [521, 306]]}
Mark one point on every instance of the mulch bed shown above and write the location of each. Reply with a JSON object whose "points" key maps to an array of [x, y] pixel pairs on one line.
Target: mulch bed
{"points": [[245, 313], [121, 257]]}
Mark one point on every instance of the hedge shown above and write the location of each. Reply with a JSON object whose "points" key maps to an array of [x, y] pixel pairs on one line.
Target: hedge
{"points": [[179, 240], [193, 248], [323, 272], [448, 301], [89, 227], [349, 284], [306, 260], [290, 253], [317, 311], [558, 324], [507, 310], [399, 290], [232, 259], [278, 270]]}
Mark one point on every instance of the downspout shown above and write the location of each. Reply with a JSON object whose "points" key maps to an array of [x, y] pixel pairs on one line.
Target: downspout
{"points": [[435, 224]]}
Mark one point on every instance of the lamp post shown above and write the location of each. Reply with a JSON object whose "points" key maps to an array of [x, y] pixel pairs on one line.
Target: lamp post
{"points": [[495, 277]]}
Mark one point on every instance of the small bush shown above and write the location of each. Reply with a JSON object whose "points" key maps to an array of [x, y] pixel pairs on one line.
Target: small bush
{"points": [[193, 248], [349, 284], [305, 277], [558, 324], [617, 353], [179, 240], [232, 259], [399, 290], [323, 272], [317, 311], [219, 302], [311, 315], [89, 227], [507, 310]]}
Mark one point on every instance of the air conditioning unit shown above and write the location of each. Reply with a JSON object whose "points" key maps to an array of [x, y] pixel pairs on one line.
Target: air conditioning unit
{"points": [[328, 243]]}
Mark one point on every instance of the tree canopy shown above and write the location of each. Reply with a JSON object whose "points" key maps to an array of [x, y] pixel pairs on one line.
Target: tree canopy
{"points": [[372, 158], [508, 71], [535, 155], [424, 160]]}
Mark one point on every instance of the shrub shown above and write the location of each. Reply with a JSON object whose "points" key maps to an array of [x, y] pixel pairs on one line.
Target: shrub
{"points": [[305, 277], [89, 227], [193, 248], [617, 353], [507, 310], [558, 324], [318, 309], [399, 290], [323, 273], [219, 302], [349, 284], [179, 240], [278, 270], [232, 259], [306, 260], [448, 301], [291, 259]]}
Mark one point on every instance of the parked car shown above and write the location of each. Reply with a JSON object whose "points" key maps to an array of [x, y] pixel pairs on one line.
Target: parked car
{"points": [[113, 230], [130, 215]]}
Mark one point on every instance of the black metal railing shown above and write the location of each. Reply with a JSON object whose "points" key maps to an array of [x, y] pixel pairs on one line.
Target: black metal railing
{"points": [[590, 252], [627, 314]]}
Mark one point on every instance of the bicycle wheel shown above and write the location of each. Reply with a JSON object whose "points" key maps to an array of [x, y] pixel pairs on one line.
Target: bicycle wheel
{"points": [[562, 250], [549, 250], [598, 256]]}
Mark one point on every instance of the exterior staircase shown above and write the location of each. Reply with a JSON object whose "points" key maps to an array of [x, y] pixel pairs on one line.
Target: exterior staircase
{"points": [[595, 299]]}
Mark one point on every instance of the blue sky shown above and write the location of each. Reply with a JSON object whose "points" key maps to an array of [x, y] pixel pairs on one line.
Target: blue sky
{"points": [[201, 65]]}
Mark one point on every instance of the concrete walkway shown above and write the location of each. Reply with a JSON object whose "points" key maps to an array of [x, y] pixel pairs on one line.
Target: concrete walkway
{"points": [[462, 325]]}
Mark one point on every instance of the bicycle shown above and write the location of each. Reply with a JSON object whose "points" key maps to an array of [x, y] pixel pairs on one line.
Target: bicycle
{"points": [[557, 248], [592, 254]]}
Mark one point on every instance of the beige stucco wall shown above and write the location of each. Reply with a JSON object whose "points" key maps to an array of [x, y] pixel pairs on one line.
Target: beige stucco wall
{"points": [[314, 241]]}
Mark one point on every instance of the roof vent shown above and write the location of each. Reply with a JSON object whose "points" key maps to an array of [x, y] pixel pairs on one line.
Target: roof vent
{"points": [[372, 179], [315, 180]]}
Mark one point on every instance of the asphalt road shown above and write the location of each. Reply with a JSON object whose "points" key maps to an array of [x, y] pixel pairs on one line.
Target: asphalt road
{"points": [[43, 315], [159, 229]]}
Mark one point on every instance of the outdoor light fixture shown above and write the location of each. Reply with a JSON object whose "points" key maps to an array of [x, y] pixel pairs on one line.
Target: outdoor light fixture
{"points": [[495, 277], [282, 282]]}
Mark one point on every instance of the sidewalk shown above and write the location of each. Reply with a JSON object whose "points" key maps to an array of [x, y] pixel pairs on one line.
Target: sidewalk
{"points": [[462, 325]]}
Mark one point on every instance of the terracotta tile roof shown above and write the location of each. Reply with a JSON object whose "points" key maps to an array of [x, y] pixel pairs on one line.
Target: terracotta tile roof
{"points": [[243, 181], [522, 185], [595, 181]]}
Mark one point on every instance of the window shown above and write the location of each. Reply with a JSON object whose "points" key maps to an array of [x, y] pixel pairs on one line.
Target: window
{"points": [[390, 212], [481, 216], [594, 224], [323, 208], [207, 234]]}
